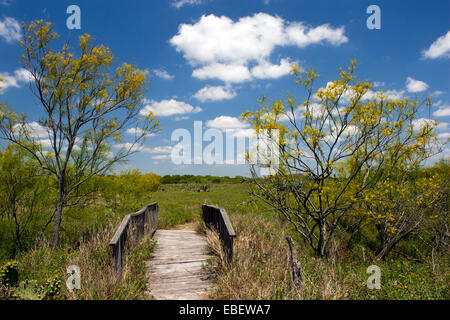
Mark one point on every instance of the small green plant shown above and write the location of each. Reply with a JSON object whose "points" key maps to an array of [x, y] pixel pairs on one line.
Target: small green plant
{"points": [[52, 288], [9, 274], [28, 290], [31, 290]]}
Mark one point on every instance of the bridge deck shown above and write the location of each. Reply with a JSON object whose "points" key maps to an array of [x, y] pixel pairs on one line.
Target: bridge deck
{"points": [[176, 270]]}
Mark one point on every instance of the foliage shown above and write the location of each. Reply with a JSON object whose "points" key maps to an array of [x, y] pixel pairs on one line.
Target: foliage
{"points": [[335, 149], [9, 274], [401, 205], [120, 189], [31, 290], [172, 179], [87, 107], [24, 191]]}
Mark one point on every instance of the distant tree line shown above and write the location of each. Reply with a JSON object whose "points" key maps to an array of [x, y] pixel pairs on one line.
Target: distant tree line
{"points": [[188, 178]]}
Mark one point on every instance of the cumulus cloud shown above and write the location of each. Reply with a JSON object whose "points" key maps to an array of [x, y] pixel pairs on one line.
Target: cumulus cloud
{"points": [[215, 93], [439, 48], [226, 122], [15, 79], [139, 132], [10, 29], [444, 136], [161, 73], [37, 130], [442, 126], [131, 147], [181, 118], [413, 85], [33, 129], [180, 3], [165, 108], [161, 157], [225, 72], [266, 70], [303, 36], [443, 111], [395, 94], [437, 93], [141, 148], [161, 149], [220, 48], [420, 123]]}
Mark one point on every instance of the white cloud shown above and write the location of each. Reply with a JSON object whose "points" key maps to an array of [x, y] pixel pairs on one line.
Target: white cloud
{"points": [[443, 111], [225, 72], [378, 84], [161, 157], [444, 136], [226, 122], [10, 29], [131, 147], [141, 148], [437, 93], [163, 74], [221, 48], [266, 70], [395, 94], [439, 48], [215, 93], [442, 125], [418, 124], [161, 149], [303, 36], [36, 130], [33, 130], [180, 3], [15, 79], [138, 132], [243, 133], [413, 85], [165, 108], [181, 118], [288, 116]]}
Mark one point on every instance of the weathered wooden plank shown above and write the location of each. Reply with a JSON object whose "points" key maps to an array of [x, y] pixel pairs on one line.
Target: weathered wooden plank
{"points": [[227, 222], [176, 269], [120, 230], [172, 260]]}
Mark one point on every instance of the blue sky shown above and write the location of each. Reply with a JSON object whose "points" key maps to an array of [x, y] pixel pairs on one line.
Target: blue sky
{"points": [[211, 60]]}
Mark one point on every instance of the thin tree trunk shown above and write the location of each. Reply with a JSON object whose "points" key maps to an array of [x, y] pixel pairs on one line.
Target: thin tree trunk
{"points": [[59, 211], [321, 243], [17, 228]]}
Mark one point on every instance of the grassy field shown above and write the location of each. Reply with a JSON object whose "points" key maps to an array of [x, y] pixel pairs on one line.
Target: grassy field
{"points": [[260, 269], [261, 266]]}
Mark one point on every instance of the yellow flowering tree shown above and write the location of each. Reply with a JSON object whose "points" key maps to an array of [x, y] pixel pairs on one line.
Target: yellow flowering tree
{"points": [[406, 203], [400, 207], [87, 105], [335, 146]]}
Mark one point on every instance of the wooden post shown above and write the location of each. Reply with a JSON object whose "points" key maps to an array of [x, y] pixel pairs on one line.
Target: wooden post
{"points": [[295, 265]]}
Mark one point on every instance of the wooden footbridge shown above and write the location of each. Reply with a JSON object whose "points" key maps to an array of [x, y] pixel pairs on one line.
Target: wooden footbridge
{"points": [[177, 269]]}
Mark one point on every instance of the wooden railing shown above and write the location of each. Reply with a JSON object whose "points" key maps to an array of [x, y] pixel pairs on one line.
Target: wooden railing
{"points": [[131, 229], [217, 219]]}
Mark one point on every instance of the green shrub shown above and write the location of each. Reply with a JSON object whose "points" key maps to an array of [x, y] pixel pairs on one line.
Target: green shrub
{"points": [[9, 274], [28, 290], [52, 288]]}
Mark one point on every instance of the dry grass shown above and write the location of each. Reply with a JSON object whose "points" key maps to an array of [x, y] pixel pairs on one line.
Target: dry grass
{"points": [[261, 266], [99, 281]]}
